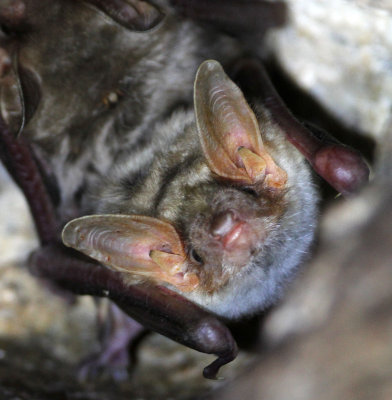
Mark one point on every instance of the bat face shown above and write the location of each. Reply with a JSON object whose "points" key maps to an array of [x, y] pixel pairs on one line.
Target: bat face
{"points": [[223, 211]]}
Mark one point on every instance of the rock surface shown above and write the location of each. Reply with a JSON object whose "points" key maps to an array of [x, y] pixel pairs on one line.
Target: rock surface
{"points": [[340, 52]]}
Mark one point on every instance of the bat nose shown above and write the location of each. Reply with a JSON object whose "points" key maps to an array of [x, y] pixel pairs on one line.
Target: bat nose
{"points": [[222, 224], [227, 229]]}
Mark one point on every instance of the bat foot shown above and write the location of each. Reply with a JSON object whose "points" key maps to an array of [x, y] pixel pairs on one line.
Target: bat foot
{"points": [[113, 366], [94, 367], [112, 361]]}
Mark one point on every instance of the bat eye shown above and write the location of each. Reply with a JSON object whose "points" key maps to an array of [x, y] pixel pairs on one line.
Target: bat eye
{"points": [[250, 191], [196, 257]]}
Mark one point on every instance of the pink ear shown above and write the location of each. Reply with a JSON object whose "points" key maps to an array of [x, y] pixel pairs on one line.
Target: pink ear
{"points": [[135, 244], [229, 132]]}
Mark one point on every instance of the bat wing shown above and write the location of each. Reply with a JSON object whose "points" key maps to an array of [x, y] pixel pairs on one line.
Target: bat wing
{"points": [[154, 306]]}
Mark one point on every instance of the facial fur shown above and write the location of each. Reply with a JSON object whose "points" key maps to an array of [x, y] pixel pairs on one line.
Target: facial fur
{"points": [[177, 186]]}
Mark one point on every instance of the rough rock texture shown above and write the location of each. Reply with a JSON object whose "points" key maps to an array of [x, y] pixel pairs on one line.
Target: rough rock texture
{"points": [[332, 336], [340, 52]]}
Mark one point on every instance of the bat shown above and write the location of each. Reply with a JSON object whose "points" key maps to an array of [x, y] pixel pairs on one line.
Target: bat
{"points": [[223, 213], [160, 177]]}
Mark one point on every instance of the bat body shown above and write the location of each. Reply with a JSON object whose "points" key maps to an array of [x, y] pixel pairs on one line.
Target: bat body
{"points": [[105, 92], [241, 242], [182, 194]]}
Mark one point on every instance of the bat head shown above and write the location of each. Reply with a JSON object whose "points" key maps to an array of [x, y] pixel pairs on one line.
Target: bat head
{"points": [[223, 227]]}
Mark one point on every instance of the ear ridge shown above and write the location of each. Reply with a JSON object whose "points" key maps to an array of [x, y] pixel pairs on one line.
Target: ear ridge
{"points": [[226, 124], [126, 242], [224, 121]]}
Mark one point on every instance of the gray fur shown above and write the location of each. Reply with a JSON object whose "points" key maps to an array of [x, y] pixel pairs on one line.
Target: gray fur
{"points": [[72, 130], [262, 281], [116, 158]]}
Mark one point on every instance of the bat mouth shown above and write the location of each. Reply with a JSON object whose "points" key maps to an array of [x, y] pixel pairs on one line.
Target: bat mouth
{"points": [[229, 240]]}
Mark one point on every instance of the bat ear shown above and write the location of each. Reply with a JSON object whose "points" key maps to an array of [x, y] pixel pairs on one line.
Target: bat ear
{"points": [[134, 244], [229, 131]]}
